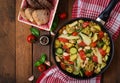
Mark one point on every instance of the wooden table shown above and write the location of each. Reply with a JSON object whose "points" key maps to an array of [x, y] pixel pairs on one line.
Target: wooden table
{"points": [[17, 56]]}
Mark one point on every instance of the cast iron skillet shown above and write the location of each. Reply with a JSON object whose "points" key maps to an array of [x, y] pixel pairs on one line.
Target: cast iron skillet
{"points": [[101, 21]]}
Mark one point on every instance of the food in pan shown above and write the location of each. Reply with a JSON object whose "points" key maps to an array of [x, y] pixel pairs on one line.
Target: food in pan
{"points": [[82, 48]]}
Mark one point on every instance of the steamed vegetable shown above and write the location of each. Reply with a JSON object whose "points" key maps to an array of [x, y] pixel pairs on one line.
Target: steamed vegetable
{"points": [[97, 53], [59, 51], [73, 50], [82, 48], [73, 57], [69, 37], [86, 39]]}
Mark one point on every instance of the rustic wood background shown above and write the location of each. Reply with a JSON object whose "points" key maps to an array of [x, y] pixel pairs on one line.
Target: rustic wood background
{"points": [[17, 56]]}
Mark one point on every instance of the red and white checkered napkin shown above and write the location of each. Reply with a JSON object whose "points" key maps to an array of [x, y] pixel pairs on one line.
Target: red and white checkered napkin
{"points": [[54, 75], [88, 9], [92, 8]]}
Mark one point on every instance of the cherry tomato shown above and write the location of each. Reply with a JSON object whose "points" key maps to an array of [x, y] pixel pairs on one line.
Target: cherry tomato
{"points": [[31, 38], [62, 15], [101, 34], [82, 44], [62, 65], [66, 57], [94, 58], [42, 67], [102, 52], [85, 24], [93, 44], [88, 73], [82, 55], [63, 40], [74, 33]]}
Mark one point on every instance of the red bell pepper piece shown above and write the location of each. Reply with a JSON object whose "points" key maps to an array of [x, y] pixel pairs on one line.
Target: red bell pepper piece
{"points": [[101, 34], [102, 52], [93, 44], [82, 55], [74, 33], [66, 57], [88, 73], [62, 65], [95, 58], [82, 44], [85, 24], [63, 40]]}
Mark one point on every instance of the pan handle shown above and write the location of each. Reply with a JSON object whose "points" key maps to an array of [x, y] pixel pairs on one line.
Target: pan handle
{"points": [[103, 17]]}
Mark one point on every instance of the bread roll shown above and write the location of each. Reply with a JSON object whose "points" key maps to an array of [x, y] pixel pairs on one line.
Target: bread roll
{"points": [[34, 4], [28, 13], [41, 16], [45, 4], [22, 13]]}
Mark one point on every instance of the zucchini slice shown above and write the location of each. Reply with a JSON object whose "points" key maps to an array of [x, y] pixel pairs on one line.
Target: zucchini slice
{"points": [[73, 50], [59, 51]]}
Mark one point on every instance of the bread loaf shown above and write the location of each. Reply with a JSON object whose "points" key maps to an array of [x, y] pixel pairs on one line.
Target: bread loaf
{"points": [[41, 16], [22, 13], [34, 4], [45, 4], [28, 14]]}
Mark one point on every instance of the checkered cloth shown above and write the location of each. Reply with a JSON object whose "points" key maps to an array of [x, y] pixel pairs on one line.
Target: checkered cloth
{"points": [[54, 75], [89, 9], [92, 9]]}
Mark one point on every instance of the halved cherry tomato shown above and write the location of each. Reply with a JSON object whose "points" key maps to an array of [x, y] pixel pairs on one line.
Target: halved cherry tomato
{"points": [[62, 65], [42, 67], [101, 34], [74, 33], [94, 58], [93, 44], [88, 73], [31, 38], [102, 52], [63, 40], [82, 44], [66, 57], [82, 55], [85, 24], [62, 15]]}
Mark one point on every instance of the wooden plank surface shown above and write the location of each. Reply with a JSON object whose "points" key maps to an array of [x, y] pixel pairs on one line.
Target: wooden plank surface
{"points": [[7, 41], [23, 50]]}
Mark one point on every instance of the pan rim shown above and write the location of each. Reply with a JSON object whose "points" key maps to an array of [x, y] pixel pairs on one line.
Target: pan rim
{"points": [[110, 55]]}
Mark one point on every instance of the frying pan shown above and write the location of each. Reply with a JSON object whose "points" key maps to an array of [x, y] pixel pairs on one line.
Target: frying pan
{"points": [[102, 18]]}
